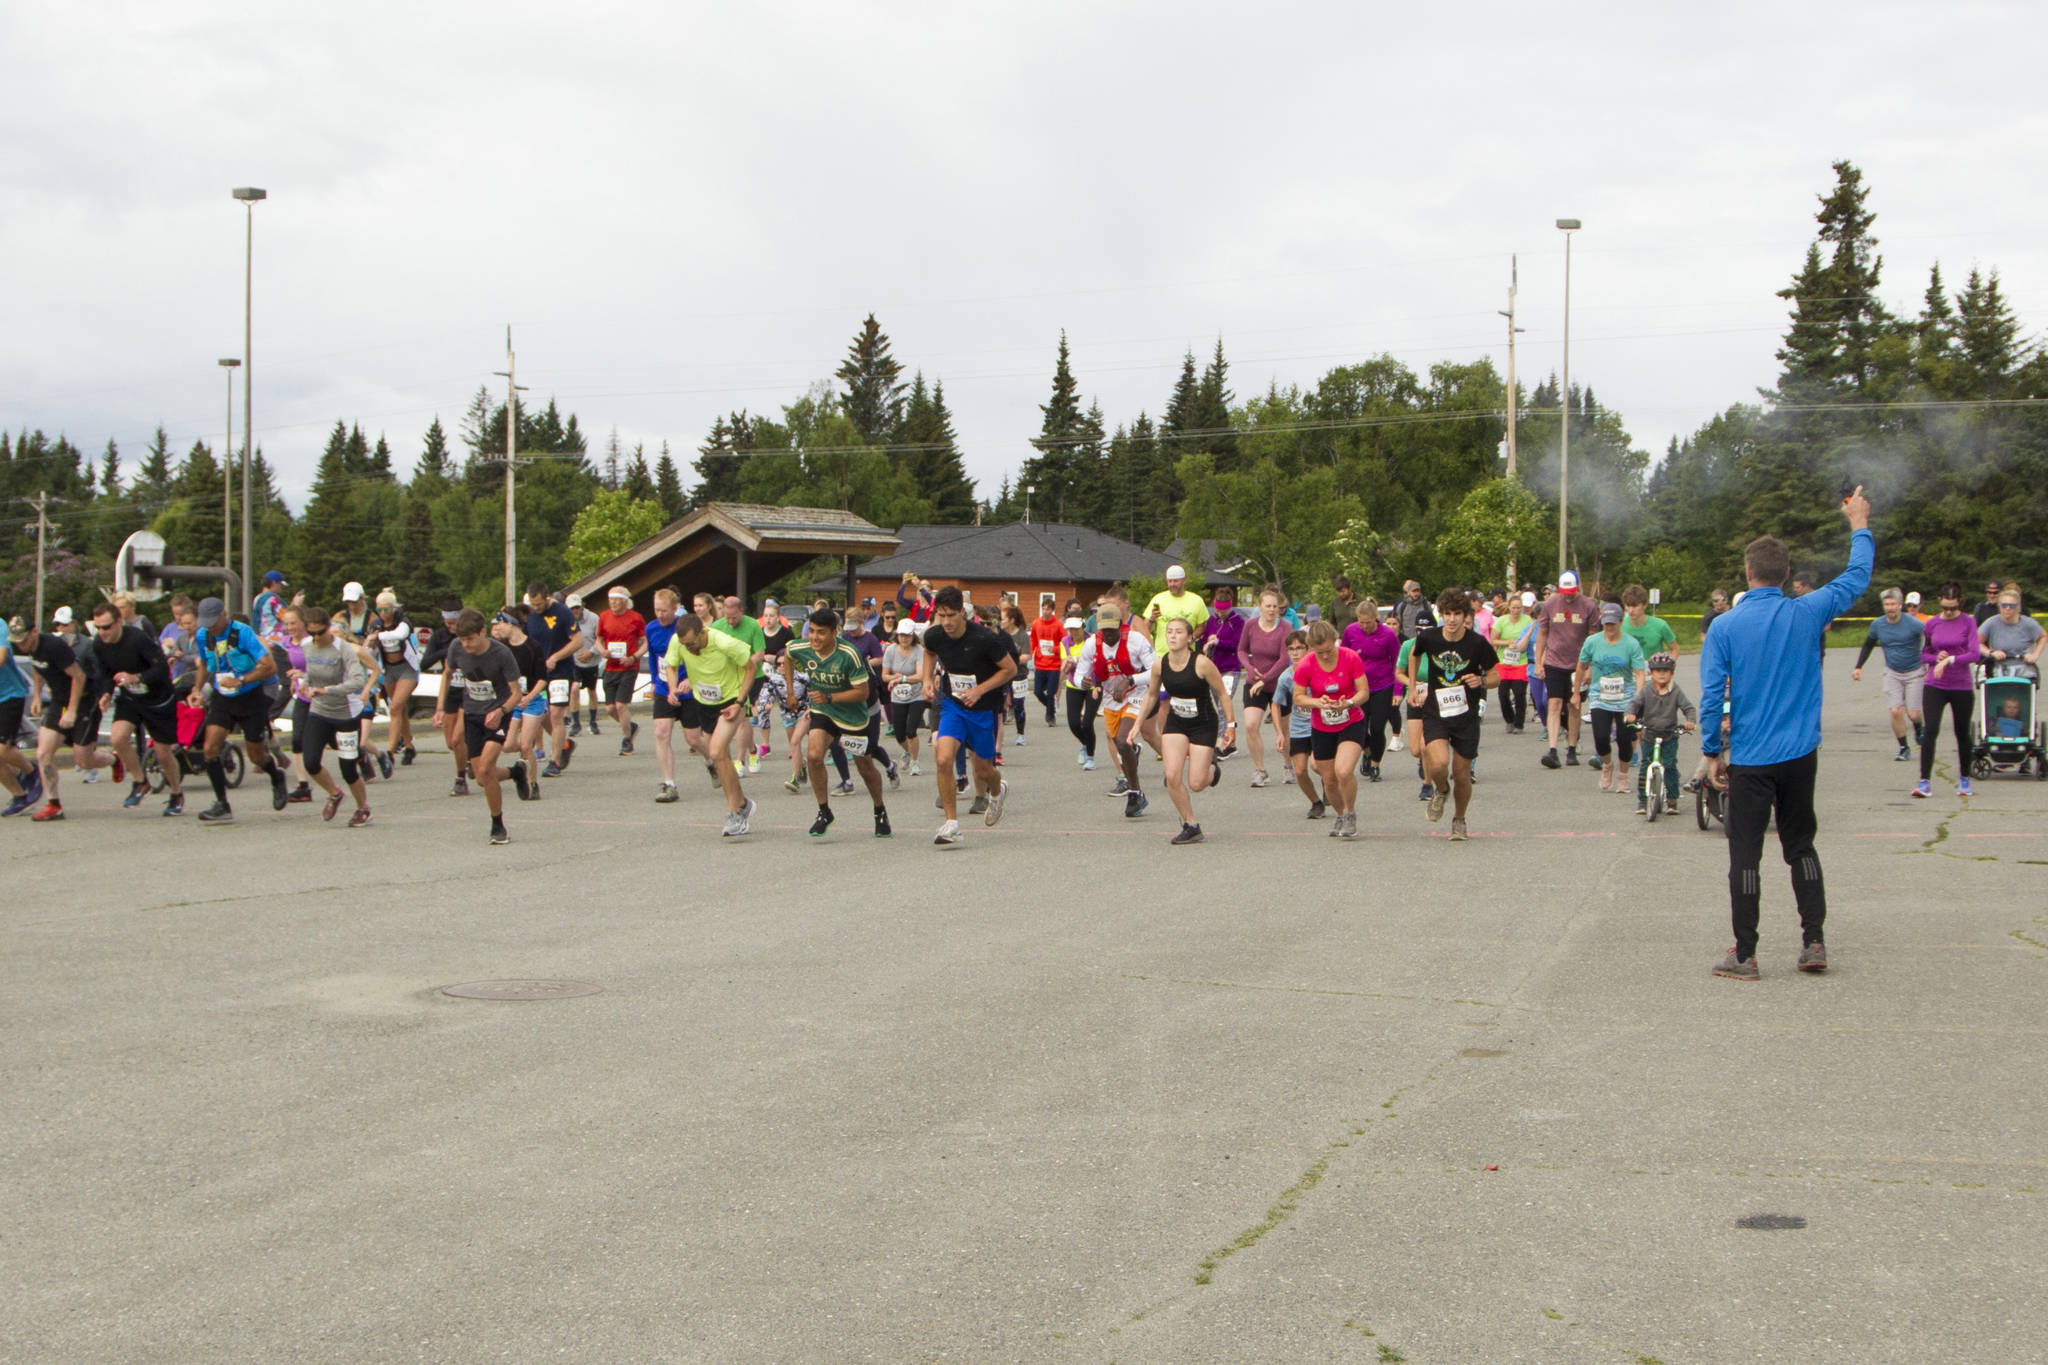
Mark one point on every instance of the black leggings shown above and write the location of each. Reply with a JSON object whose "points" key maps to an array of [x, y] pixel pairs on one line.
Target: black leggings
{"points": [[1081, 707], [321, 734], [1608, 729], [1961, 706], [1381, 713], [1514, 701]]}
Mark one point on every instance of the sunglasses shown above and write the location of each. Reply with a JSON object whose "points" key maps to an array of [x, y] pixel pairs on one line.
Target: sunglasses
{"points": [[1947, 607], [2008, 606]]}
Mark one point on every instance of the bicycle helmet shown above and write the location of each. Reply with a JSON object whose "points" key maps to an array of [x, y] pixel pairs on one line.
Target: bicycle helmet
{"points": [[1658, 661]]}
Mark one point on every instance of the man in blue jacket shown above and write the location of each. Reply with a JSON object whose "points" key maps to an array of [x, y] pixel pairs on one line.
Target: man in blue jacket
{"points": [[1764, 651]]}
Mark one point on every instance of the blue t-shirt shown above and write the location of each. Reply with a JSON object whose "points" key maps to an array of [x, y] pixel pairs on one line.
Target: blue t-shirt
{"points": [[658, 636], [1300, 719], [552, 628], [1615, 663], [236, 652], [1900, 641], [13, 683]]}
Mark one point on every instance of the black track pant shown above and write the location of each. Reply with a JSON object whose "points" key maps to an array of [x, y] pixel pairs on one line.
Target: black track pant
{"points": [[1380, 714], [1514, 701], [1961, 706], [1754, 793], [1081, 707]]}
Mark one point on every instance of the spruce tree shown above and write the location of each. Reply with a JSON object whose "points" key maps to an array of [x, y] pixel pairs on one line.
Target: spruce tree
{"points": [[110, 470], [1811, 355], [434, 471], [1211, 414], [668, 486], [1988, 336], [614, 462], [874, 388], [379, 466], [1051, 471], [637, 481], [718, 462], [932, 456], [1181, 408], [1852, 274], [151, 490]]}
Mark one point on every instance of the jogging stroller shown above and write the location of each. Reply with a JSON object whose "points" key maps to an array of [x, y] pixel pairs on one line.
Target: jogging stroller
{"points": [[2010, 735], [191, 752]]}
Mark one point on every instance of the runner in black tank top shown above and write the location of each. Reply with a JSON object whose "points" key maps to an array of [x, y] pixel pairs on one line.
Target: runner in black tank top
{"points": [[1191, 690]]}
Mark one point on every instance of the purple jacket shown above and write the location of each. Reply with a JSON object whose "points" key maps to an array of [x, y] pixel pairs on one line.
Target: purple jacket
{"points": [[1379, 649], [1956, 638], [1220, 637]]}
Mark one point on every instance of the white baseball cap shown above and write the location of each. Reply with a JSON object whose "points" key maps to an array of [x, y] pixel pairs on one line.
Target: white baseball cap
{"points": [[1567, 579], [1528, 599], [906, 627], [1174, 571], [63, 616], [352, 592], [1075, 623], [573, 600]]}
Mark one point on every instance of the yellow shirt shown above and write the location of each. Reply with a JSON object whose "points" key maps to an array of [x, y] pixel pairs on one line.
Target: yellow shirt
{"points": [[1187, 607]]}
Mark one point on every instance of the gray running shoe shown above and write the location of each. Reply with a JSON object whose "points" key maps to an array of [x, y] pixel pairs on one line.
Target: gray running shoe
{"points": [[1134, 805], [1123, 786], [667, 794], [1189, 834], [995, 804], [1350, 827], [1317, 810], [1437, 801], [747, 816], [949, 833], [1457, 830], [1813, 957], [733, 826], [980, 806], [1738, 968]]}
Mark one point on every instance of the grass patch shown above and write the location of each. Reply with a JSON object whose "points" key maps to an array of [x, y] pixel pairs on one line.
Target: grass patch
{"points": [[1283, 1209]]}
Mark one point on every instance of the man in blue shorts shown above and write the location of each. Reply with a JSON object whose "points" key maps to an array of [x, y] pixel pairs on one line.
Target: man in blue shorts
{"points": [[978, 667]]}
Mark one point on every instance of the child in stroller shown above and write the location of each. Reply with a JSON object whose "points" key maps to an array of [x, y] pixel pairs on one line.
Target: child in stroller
{"points": [[2010, 736], [191, 762]]}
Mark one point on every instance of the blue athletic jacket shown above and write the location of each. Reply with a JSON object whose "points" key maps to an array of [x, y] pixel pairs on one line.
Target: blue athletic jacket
{"points": [[1765, 649]]}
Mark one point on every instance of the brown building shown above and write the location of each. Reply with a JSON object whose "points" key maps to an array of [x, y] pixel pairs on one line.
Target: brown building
{"points": [[1028, 559], [736, 548]]}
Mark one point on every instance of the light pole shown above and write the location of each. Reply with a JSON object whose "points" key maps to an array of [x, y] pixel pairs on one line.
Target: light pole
{"points": [[1029, 489], [250, 197], [1514, 279], [227, 472], [1564, 403]]}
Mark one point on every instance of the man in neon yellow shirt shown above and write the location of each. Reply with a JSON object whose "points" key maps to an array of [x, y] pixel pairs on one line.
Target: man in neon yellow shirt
{"points": [[1175, 604], [721, 672]]}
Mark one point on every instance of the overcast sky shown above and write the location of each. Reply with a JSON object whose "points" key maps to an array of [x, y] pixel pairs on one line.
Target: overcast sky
{"points": [[683, 210]]}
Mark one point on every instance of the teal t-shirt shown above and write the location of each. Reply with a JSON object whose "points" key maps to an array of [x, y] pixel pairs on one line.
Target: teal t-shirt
{"points": [[1654, 635], [1612, 683]]}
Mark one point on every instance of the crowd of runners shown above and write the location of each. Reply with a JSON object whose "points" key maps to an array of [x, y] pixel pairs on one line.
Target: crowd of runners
{"points": [[319, 703]]}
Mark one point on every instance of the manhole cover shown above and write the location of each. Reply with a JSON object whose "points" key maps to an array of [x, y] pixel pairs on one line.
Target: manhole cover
{"points": [[1771, 1222], [521, 990]]}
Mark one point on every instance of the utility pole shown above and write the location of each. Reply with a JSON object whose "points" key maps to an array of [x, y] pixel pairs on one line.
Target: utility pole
{"points": [[512, 391], [1514, 277], [1564, 405], [227, 468], [42, 501]]}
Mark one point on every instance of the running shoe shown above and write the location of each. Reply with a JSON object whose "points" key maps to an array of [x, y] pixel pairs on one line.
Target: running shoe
{"points": [[1671, 805], [980, 806], [1919, 733], [747, 816], [732, 825], [175, 806], [217, 814], [895, 779], [711, 771], [331, 807], [626, 747], [461, 787], [1549, 759], [134, 796], [593, 724], [1087, 764], [845, 787], [552, 770], [498, 833], [1963, 788], [1923, 788], [1457, 830], [997, 760], [1189, 834], [384, 764], [408, 754], [822, 823], [568, 752], [32, 787], [120, 771], [280, 793], [1738, 968], [995, 804], [1813, 957], [51, 810], [1020, 739], [302, 794], [1642, 806], [1258, 777], [1904, 754], [1436, 805], [949, 833], [1350, 828], [1225, 752], [1372, 772], [960, 783], [90, 776], [360, 818], [1123, 785], [668, 795], [915, 769], [1427, 793], [1317, 810], [753, 764], [632, 733], [1081, 757], [1134, 805], [520, 782], [575, 724], [1394, 744], [1571, 756], [882, 830], [793, 784]]}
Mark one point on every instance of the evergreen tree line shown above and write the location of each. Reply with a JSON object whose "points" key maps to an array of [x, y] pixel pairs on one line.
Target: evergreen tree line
{"points": [[1374, 470]]}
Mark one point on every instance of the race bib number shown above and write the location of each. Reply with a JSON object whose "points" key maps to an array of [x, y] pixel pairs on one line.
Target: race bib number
{"points": [[1187, 708], [480, 689], [856, 745], [348, 744], [1020, 688], [558, 691], [225, 682], [961, 686], [903, 693], [1513, 658], [711, 694], [1336, 717], [136, 689], [1613, 688], [616, 648], [1451, 702]]}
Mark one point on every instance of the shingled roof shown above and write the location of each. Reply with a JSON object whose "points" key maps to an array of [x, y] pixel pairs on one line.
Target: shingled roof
{"points": [[1036, 551]]}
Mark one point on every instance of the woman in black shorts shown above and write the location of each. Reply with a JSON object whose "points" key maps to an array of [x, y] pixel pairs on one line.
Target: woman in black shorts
{"points": [[1192, 689]]}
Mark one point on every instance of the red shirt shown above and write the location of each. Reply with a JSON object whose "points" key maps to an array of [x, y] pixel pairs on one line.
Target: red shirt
{"points": [[619, 635], [1047, 635]]}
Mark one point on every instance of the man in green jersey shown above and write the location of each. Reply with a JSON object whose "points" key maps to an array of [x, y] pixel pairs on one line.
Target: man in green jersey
{"points": [[1653, 633], [721, 672], [837, 678]]}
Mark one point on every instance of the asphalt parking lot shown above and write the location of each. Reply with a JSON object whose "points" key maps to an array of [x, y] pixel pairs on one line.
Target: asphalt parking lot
{"points": [[1062, 1093]]}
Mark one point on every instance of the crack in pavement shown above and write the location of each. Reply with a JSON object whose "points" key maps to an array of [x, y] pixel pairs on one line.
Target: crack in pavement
{"points": [[1307, 990]]}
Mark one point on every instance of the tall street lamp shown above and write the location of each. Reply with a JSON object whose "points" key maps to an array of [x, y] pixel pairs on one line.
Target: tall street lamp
{"points": [[227, 472], [1564, 403], [250, 197]]}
